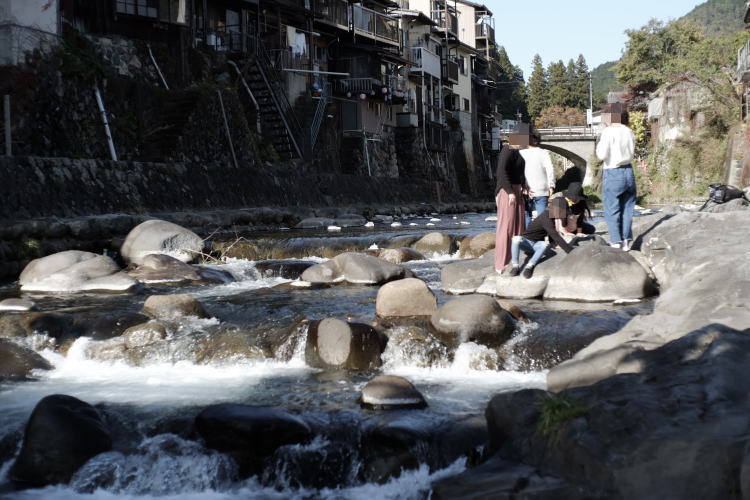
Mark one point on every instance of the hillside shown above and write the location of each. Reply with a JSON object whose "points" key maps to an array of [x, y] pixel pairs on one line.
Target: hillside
{"points": [[719, 16], [603, 80]]}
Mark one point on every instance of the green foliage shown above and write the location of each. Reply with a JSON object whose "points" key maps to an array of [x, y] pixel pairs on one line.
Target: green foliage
{"points": [[603, 81], [511, 92], [80, 62], [556, 412], [719, 17], [559, 86], [537, 88], [640, 128]]}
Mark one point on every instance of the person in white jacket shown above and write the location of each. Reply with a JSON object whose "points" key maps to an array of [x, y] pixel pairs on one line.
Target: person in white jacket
{"points": [[615, 148], [540, 176]]}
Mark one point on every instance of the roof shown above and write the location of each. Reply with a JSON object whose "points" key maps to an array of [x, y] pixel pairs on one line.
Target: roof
{"points": [[418, 15], [475, 5]]}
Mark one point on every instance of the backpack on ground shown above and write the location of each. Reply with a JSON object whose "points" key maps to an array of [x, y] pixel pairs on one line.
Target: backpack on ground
{"points": [[721, 193]]}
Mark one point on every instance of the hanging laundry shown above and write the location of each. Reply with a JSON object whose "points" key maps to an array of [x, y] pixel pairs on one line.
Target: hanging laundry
{"points": [[300, 45]]}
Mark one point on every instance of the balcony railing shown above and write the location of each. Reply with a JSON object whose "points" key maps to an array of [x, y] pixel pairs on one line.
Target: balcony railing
{"points": [[484, 31], [287, 59], [743, 62], [374, 23], [446, 20], [356, 85], [225, 39], [426, 61], [334, 11], [451, 71]]}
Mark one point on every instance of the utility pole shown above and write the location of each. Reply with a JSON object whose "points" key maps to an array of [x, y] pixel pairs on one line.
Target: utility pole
{"points": [[590, 111]]}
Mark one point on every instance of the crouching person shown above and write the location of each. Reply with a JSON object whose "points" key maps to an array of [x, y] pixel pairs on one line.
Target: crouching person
{"points": [[532, 241]]}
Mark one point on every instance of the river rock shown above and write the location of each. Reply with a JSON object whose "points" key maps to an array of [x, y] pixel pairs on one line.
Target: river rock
{"points": [[472, 318], [60, 326], [475, 246], [61, 435], [399, 255], [390, 392], [315, 223], [75, 271], [288, 269], [165, 269], [17, 305], [162, 237], [406, 297], [171, 306], [17, 362], [250, 434], [467, 276], [597, 273], [356, 268], [435, 243], [332, 343], [513, 287], [349, 220], [325, 465], [732, 205], [227, 346], [144, 334], [109, 325]]}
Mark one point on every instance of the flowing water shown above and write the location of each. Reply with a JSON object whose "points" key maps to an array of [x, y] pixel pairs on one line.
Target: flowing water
{"points": [[150, 402]]}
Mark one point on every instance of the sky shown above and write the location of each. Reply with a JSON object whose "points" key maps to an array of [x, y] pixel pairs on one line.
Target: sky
{"points": [[559, 29]]}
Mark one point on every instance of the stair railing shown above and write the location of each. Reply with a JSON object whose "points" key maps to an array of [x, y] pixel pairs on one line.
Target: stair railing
{"points": [[319, 114], [275, 86]]}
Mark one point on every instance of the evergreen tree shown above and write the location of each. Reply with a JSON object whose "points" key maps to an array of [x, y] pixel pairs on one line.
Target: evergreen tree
{"points": [[510, 94], [537, 88], [582, 82], [559, 92], [571, 85]]}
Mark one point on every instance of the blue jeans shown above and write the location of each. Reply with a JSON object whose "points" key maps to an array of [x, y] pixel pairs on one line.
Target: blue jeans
{"points": [[528, 246], [538, 203], [618, 195]]}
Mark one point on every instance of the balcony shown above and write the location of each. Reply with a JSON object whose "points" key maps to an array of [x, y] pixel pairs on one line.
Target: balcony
{"points": [[451, 71], [224, 39], [354, 86], [484, 32], [296, 4], [425, 61], [446, 21], [335, 12], [375, 25], [743, 62], [287, 59]]}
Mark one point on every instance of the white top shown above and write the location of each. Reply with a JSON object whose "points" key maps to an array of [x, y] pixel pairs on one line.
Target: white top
{"points": [[616, 146], [540, 175]]}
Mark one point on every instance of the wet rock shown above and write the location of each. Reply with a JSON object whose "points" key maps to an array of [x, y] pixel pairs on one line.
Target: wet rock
{"points": [[17, 362], [227, 346], [288, 269], [171, 306], [61, 435], [435, 243], [12, 325], [598, 273], [356, 268], [390, 392], [162, 237], [407, 297], [402, 241], [474, 247], [59, 326], [517, 287], [349, 220], [467, 276], [325, 465], [332, 343], [399, 255], [164, 269], [109, 325], [107, 350], [315, 223], [17, 305], [75, 271], [144, 334], [472, 318], [250, 434]]}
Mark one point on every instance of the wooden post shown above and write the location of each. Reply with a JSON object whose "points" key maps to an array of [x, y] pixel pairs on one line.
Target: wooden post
{"points": [[6, 106]]}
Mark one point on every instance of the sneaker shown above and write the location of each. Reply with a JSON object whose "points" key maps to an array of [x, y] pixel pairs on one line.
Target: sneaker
{"points": [[528, 272], [616, 245], [513, 271], [626, 245]]}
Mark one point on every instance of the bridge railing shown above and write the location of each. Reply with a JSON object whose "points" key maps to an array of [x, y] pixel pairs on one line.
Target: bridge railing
{"points": [[579, 131]]}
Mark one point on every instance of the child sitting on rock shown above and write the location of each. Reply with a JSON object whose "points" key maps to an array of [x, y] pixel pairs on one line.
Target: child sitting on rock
{"points": [[567, 217]]}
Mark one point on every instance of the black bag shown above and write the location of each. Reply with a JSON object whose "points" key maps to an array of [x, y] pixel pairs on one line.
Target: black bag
{"points": [[721, 193]]}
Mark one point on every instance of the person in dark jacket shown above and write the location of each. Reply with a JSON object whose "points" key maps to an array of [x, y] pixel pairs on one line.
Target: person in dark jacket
{"points": [[571, 212], [533, 240], [511, 182]]}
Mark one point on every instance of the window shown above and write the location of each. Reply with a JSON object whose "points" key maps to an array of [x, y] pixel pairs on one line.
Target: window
{"points": [[145, 8], [462, 64], [467, 105]]}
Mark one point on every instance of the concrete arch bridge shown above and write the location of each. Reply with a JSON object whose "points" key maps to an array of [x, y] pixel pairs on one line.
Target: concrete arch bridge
{"points": [[577, 144]]}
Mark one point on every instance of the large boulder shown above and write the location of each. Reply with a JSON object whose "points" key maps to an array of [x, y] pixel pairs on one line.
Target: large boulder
{"points": [[473, 247], [514, 287], [467, 276], [406, 297], [165, 269], [472, 318], [356, 268], [332, 343], [390, 392], [399, 255], [61, 435], [75, 271], [597, 273], [17, 305], [288, 269], [172, 306], [435, 243], [160, 236], [250, 434], [17, 362], [144, 334]]}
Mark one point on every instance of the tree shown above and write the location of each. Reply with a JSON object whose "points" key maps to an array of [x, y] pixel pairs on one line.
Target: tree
{"points": [[510, 94], [581, 78], [537, 88], [559, 116], [559, 86]]}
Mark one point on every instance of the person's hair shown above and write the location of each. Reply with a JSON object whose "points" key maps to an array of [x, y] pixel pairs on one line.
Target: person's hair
{"points": [[581, 208], [625, 118]]}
